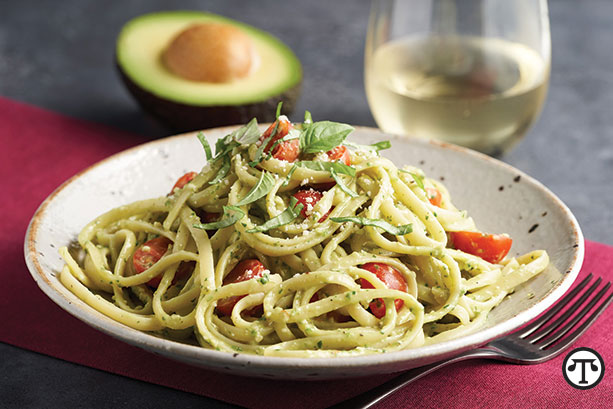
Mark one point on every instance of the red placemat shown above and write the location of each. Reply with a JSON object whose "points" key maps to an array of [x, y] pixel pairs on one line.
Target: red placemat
{"points": [[41, 149]]}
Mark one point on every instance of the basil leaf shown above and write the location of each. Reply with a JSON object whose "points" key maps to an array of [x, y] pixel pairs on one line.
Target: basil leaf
{"points": [[375, 147], [417, 178], [259, 152], [323, 136], [265, 142], [279, 105], [292, 134], [260, 189], [285, 217], [379, 146], [231, 214], [205, 145], [245, 135], [382, 224], [222, 149], [289, 174], [326, 166], [307, 118], [358, 147], [221, 146], [248, 134], [340, 184], [222, 172]]}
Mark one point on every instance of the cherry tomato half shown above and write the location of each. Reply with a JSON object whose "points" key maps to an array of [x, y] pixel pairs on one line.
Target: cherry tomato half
{"points": [[434, 196], [391, 278], [340, 153], [282, 129], [286, 150], [309, 198], [183, 180], [245, 270], [490, 247], [150, 253]]}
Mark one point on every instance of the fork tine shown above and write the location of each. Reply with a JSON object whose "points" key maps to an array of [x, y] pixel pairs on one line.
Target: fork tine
{"points": [[546, 330], [557, 307], [560, 346], [568, 326]]}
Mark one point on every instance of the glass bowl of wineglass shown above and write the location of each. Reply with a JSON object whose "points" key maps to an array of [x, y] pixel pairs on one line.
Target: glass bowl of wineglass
{"points": [[469, 72]]}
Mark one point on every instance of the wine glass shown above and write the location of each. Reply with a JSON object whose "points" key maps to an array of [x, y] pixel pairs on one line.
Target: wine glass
{"points": [[470, 72]]}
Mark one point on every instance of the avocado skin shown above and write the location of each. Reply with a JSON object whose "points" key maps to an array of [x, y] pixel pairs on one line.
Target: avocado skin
{"points": [[184, 117]]}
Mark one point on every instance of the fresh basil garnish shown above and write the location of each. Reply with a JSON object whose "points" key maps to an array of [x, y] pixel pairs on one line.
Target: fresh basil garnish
{"points": [[265, 142], [323, 136], [341, 185], [222, 172], [417, 178], [382, 224], [223, 147], [289, 174], [205, 145], [375, 147], [260, 189], [308, 119], [279, 105], [285, 217], [245, 135], [326, 166], [231, 214], [379, 146], [248, 134]]}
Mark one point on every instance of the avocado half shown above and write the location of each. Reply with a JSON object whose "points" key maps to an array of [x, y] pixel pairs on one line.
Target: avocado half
{"points": [[186, 104]]}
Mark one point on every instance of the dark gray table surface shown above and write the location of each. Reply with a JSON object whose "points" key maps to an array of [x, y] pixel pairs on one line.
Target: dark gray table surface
{"points": [[59, 55]]}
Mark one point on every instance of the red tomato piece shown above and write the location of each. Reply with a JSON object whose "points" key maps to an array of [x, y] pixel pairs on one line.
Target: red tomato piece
{"points": [[434, 196], [340, 153], [490, 247], [282, 129], [287, 150], [309, 198], [391, 278], [245, 270], [148, 254], [183, 180]]}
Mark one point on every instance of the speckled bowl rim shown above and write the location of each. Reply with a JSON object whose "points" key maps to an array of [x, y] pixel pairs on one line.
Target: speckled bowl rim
{"points": [[266, 366]]}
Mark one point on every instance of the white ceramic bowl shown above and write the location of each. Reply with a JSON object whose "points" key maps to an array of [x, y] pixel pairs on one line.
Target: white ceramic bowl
{"points": [[499, 197]]}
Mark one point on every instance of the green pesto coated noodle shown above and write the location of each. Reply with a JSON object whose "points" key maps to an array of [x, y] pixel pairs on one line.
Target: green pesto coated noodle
{"points": [[310, 301]]}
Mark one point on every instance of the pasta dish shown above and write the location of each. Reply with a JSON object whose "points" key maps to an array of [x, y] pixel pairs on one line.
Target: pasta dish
{"points": [[296, 242]]}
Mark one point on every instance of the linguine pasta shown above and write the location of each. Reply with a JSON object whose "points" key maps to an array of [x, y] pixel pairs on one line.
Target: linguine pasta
{"points": [[289, 244]]}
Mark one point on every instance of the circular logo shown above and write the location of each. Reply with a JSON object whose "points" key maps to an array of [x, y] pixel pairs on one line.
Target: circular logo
{"points": [[583, 368]]}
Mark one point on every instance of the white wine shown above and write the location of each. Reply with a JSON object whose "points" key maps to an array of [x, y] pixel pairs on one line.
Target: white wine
{"points": [[483, 93]]}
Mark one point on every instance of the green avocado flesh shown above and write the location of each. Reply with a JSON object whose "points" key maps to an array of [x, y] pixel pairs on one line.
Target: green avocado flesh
{"points": [[187, 104]]}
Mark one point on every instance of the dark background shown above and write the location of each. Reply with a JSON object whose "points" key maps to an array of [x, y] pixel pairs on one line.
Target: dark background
{"points": [[59, 55]]}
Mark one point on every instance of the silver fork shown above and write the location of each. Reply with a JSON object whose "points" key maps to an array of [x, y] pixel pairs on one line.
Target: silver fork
{"points": [[538, 342]]}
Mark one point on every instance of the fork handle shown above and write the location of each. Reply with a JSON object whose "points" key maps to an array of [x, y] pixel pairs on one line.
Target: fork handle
{"points": [[371, 397]]}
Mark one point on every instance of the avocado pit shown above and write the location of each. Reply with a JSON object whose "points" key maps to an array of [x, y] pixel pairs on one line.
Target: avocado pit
{"points": [[211, 52]]}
